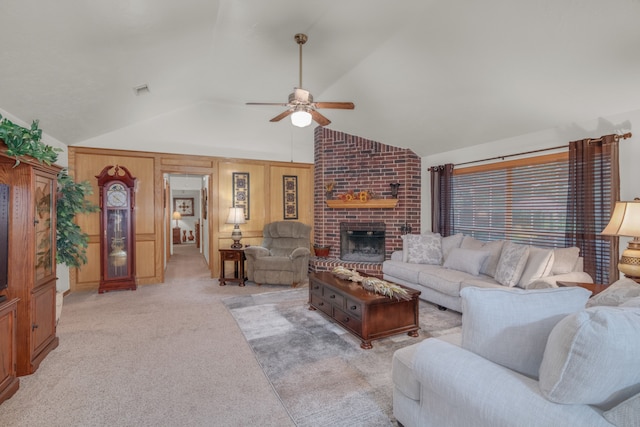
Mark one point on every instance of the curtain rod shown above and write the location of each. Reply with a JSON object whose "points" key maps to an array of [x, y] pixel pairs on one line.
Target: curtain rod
{"points": [[615, 137]]}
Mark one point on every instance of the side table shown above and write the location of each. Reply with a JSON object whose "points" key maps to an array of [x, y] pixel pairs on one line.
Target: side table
{"points": [[596, 288], [176, 236], [237, 256]]}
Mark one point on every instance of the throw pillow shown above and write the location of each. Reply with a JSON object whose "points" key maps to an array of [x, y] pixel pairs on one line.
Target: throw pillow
{"points": [[564, 260], [423, 248], [467, 260], [405, 244], [593, 358], [616, 293], [512, 263], [626, 414], [510, 327], [451, 242], [538, 265], [633, 302], [494, 248]]}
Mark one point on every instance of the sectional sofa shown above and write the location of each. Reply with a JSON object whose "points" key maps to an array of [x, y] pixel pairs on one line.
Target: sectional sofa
{"points": [[440, 267], [525, 358]]}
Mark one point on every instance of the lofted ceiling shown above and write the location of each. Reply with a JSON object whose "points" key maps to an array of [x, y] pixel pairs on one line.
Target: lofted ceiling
{"points": [[427, 75]]}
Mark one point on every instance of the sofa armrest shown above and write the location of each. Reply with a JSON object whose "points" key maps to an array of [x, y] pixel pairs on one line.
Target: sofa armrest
{"points": [[300, 252], [255, 252], [478, 392], [550, 281], [396, 255]]}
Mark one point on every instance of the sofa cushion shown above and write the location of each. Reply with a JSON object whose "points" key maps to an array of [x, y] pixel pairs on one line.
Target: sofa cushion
{"points": [[422, 248], [626, 414], [405, 271], [512, 262], [494, 248], [274, 263], [564, 260], [451, 242], [467, 260], [402, 372], [593, 357], [539, 264], [616, 293], [481, 281], [510, 327], [443, 280]]}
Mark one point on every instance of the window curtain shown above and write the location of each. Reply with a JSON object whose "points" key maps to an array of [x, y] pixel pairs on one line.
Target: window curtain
{"points": [[594, 187], [441, 213]]}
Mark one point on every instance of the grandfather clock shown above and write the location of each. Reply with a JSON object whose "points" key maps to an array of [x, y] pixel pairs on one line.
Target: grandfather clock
{"points": [[117, 229]]}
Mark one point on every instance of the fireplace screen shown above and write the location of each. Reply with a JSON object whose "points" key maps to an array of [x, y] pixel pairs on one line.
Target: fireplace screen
{"points": [[362, 241]]}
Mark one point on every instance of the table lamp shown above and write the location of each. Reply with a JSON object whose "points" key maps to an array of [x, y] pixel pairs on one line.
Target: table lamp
{"points": [[625, 221], [176, 215], [236, 216]]}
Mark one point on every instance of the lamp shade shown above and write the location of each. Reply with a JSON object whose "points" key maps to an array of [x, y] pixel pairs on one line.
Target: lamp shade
{"points": [[176, 215], [625, 220], [236, 216], [301, 118]]}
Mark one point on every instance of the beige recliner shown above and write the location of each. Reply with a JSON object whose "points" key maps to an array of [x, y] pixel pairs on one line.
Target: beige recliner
{"points": [[283, 258]]}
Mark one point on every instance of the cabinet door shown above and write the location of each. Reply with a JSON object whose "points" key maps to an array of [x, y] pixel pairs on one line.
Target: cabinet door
{"points": [[44, 235], [44, 316]]}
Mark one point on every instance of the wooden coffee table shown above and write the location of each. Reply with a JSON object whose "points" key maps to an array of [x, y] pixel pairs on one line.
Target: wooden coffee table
{"points": [[366, 314]]}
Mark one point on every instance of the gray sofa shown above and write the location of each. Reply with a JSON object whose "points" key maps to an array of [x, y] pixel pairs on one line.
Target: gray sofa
{"points": [[534, 358], [441, 267]]}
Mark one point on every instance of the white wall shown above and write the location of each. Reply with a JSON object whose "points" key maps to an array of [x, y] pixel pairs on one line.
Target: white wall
{"points": [[616, 124]]}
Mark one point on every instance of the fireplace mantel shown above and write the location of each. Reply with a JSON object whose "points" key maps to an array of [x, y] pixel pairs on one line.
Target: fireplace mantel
{"points": [[369, 204]]}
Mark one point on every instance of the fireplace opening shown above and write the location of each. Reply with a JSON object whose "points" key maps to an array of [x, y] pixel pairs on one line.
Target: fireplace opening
{"points": [[362, 241]]}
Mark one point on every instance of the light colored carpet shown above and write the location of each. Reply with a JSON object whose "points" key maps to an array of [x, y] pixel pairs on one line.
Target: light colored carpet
{"points": [[317, 368], [163, 355]]}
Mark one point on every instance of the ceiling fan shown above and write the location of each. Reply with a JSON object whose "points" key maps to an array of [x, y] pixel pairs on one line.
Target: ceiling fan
{"points": [[301, 107]]}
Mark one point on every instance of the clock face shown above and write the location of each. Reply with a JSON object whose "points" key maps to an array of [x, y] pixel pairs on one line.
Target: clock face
{"points": [[117, 196]]}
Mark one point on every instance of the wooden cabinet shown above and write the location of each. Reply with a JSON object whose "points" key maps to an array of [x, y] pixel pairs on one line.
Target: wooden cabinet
{"points": [[176, 236], [9, 382], [32, 257]]}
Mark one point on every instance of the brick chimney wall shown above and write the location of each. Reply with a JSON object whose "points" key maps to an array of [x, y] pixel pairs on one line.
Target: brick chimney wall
{"points": [[358, 164]]}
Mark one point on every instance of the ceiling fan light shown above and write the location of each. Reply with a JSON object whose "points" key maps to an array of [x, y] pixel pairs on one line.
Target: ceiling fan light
{"points": [[301, 118]]}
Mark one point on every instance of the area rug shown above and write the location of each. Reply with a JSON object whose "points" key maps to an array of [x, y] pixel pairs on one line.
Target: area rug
{"points": [[318, 369]]}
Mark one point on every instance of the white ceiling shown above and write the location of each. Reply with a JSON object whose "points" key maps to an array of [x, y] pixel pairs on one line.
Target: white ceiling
{"points": [[428, 75]]}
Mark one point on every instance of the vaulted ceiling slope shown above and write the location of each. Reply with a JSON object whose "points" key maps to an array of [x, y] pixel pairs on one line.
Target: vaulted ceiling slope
{"points": [[427, 75]]}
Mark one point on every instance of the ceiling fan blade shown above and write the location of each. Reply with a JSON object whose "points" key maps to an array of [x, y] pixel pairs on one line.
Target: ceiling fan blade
{"points": [[281, 116], [281, 104], [338, 105], [322, 120]]}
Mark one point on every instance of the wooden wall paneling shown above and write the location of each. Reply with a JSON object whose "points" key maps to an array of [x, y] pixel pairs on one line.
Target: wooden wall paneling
{"points": [[305, 193], [145, 271], [142, 165], [87, 277]]}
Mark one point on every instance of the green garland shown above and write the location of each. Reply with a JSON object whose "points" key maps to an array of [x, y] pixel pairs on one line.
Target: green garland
{"points": [[21, 142], [71, 242]]}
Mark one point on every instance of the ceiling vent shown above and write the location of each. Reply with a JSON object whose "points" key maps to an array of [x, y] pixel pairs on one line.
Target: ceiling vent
{"points": [[141, 90]]}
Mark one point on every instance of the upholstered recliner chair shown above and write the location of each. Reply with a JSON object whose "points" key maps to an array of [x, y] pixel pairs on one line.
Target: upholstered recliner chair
{"points": [[283, 258]]}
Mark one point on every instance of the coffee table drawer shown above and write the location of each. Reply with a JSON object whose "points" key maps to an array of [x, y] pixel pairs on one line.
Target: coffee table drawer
{"points": [[321, 304], [316, 288], [354, 308], [337, 299], [348, 321]]}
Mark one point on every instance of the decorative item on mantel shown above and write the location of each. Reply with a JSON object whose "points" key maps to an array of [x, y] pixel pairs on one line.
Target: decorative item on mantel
{"points": [[394, 189], [354, 199], [328, 189], [373, 284]]}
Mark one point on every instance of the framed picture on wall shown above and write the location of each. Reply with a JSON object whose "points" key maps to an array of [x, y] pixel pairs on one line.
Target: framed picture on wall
{"points": [[290, 196], [205, 203], [184, 206]]}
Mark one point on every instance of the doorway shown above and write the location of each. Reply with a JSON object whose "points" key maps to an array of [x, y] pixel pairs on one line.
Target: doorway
{"points": [[186, 213]]}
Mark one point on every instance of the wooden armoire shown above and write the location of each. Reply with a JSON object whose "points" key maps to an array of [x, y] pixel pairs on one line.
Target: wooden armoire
{"points": [[32, 257]]}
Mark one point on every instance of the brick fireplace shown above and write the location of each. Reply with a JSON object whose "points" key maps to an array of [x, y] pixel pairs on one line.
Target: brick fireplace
{"points": [[359, 164]]}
